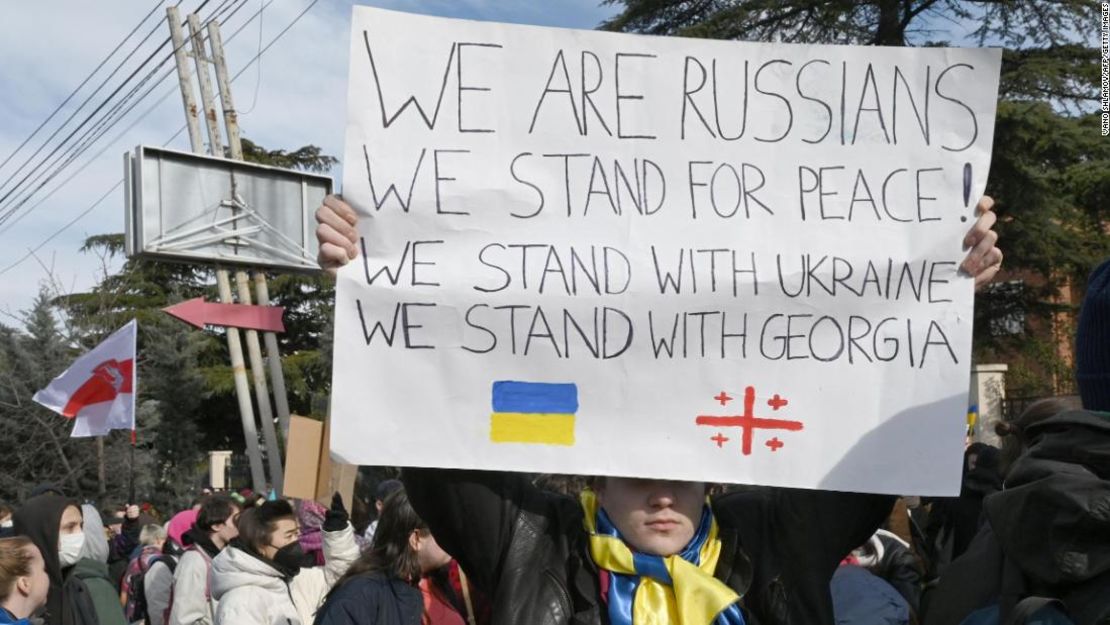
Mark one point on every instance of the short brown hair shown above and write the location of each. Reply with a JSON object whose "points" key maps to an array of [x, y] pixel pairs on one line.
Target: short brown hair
{"points": [[15, 562]]}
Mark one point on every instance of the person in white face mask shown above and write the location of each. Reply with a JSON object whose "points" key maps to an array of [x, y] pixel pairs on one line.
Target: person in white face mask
{"points": [[80, 590]]}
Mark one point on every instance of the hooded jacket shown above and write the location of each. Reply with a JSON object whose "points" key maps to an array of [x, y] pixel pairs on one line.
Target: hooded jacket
{"points": [[1046, 531], [250, 591], [96, 544], [81, 594], [39, 520]]}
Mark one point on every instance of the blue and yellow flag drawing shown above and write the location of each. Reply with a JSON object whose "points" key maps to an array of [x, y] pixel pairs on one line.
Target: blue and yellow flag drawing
{"points": [[533, 412]]}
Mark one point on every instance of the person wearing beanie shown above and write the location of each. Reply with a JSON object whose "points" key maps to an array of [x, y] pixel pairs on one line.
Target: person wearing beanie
{"points": [[1092, 342]]}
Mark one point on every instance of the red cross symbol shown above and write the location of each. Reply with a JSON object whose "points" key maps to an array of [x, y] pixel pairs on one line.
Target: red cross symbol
{"points": [[720, 439], [775, 444], [748, 422], [723, 398], [777, 402]]}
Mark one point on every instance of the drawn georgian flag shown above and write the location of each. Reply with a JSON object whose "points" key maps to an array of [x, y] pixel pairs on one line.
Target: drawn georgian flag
{"points": [[98, 389]]}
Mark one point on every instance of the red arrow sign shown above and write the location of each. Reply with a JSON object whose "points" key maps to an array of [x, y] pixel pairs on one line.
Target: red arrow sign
{"points": [[199, 313]]}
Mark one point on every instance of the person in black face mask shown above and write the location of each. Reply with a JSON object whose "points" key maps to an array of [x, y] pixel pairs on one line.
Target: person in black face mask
{"points": [[259, 579]]}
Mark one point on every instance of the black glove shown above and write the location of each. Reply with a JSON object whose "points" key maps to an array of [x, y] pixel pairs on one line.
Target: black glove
{"points": [[336, 518]]}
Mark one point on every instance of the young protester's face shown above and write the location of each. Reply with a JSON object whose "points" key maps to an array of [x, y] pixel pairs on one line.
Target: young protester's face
{"points": [[286, 532], [71, 537], [657, 517], [71, 521], [428, 552]]}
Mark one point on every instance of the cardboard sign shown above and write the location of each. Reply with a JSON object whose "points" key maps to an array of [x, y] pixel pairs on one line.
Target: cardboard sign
{"points": [[610, 254], [309, 469]]}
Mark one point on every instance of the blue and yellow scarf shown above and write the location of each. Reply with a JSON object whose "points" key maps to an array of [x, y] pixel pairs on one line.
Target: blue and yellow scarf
{"points": [[656, 590]]}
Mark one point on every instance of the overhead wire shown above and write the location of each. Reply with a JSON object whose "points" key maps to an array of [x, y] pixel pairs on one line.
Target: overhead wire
{"points": [[87, 99], [96, 69], [94, 113], [31, 252], [103, 125], [6, 226], [258, 75]]}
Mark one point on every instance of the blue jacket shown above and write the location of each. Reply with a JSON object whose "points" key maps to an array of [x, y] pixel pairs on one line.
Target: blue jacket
{"points": [[861, 598], [7, 619], [372, 599]]}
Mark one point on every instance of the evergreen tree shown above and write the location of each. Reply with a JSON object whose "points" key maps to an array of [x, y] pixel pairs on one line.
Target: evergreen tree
{"points": [[174, 381], [36, 447]]}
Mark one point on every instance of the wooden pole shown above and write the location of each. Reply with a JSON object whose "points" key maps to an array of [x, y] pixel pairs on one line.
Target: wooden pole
{"points": [[223, 280], [173, 16], [231, 118], [281, 399], [262, 293], [242, 391], [204, 80], [261, 391], [101, 479]]}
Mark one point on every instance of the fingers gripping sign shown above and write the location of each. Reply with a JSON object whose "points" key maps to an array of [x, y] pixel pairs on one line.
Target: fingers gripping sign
{"points": [[337, 233]]}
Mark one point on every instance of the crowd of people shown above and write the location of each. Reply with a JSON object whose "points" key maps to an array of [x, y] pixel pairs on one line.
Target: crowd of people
{"points": [[1027, 540]]}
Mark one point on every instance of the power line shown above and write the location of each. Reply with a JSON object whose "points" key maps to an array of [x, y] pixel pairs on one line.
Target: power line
{"points": [[87, 144], [119, 183], [258, 75], [49, 117], [50, 238], [52, 159], [91, 115], [87, 99]]}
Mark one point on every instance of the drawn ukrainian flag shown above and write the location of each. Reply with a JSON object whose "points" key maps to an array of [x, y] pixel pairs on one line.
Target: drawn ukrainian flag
{"points": [[533, 412]]}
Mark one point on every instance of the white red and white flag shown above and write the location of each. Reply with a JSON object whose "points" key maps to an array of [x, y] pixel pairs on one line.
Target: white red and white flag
{"points": [[98, 390]]}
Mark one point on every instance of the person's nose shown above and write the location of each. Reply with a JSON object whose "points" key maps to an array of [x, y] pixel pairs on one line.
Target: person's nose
{"points": [[661, 495]]}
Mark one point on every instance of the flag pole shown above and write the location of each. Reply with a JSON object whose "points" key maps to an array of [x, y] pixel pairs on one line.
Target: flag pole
{"points": [[134, 416], [131, 477]]}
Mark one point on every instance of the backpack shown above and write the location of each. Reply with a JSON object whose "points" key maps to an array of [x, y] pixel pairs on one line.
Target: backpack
{"points": [[136, 609], [132, 576]]}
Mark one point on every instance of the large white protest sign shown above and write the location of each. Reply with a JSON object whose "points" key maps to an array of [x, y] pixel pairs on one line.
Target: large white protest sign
{"points": [[611, 254]]}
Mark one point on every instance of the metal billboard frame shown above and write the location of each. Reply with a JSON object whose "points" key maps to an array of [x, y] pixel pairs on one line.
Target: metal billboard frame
{"points": [[233, 225]]}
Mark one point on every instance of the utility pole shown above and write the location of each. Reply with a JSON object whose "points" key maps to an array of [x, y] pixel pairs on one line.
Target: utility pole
{"points": [[262, 293], [223, 280], [242, 280]]}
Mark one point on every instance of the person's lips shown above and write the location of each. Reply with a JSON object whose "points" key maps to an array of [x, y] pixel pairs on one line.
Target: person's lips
{"points": [[662, 525]]}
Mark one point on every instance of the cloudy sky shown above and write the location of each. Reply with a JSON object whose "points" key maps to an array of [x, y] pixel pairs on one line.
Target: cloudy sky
{"points": [[49, 48]]}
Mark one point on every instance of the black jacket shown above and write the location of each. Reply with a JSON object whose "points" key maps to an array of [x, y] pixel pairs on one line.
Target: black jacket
{"points": [[372, 599], [528, 549], [1046, 533]]}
